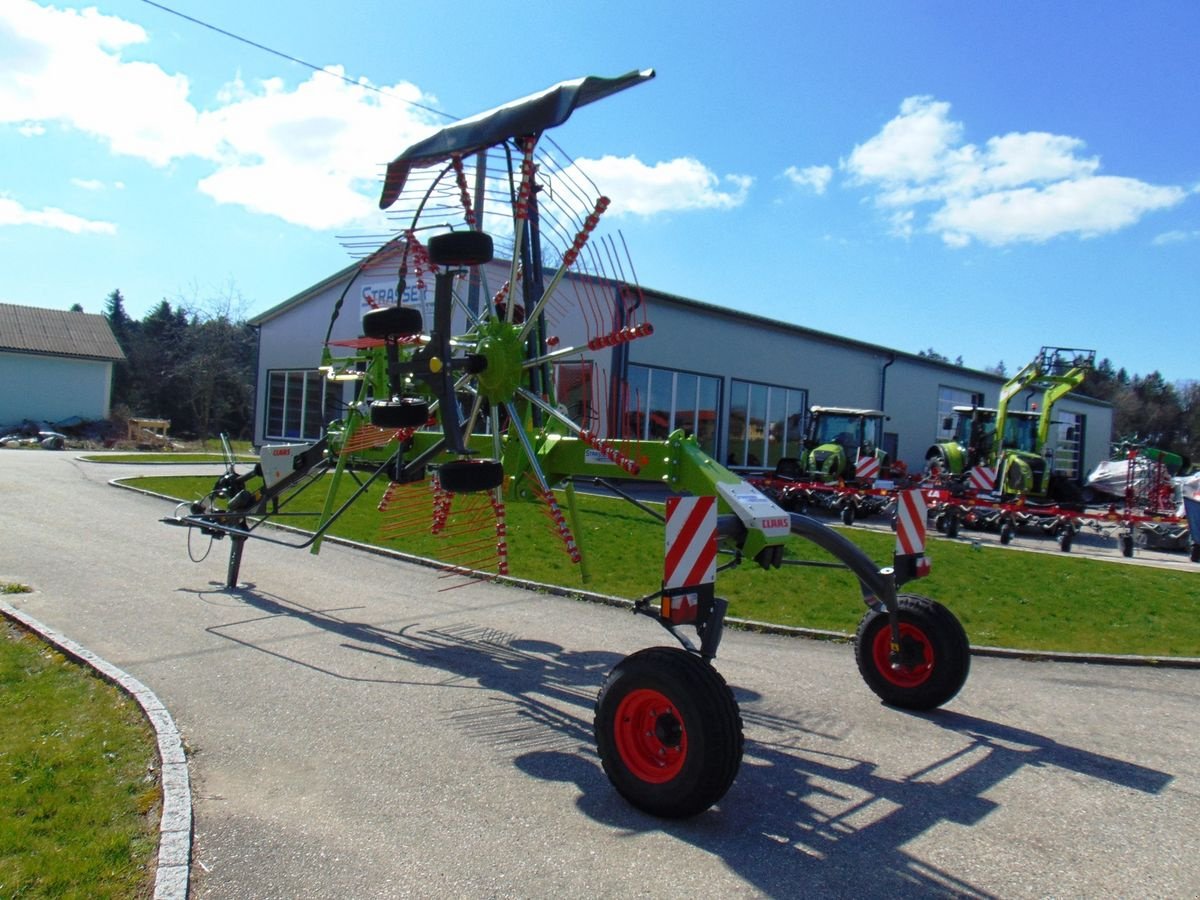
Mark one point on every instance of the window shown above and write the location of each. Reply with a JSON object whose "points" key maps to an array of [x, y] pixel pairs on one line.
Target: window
{"points": [[573, 389], [948, 398], [766, 424], [299, 402], [660, 401]]}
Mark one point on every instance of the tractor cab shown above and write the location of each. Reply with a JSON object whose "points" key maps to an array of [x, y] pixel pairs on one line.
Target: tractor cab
{"points": [[839, 437]]}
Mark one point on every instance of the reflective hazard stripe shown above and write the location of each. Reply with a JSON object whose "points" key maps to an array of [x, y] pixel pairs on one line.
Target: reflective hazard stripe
{"points": [[983, 478], [866, 469], [691, 546], [910, 523]]}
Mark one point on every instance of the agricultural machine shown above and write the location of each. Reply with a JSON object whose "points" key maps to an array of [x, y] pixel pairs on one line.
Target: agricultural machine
{"points": [[842, 464], [462, 420], [1023, 467]]}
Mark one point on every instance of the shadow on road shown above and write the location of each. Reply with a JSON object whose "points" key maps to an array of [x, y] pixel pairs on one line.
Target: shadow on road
{"points": [[797, 818]]}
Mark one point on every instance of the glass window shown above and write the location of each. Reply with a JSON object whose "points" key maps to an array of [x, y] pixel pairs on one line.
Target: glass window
{"points": [[671, 401], [573, 390], [766, 424], [298, 404], [661, 404]]}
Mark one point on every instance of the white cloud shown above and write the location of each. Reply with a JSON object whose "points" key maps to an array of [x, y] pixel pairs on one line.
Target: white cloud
{"points": [[13, 213], [310, 155], [815, 178], [677, 185], [1176, 237], [1018, 187], [88, 184]]}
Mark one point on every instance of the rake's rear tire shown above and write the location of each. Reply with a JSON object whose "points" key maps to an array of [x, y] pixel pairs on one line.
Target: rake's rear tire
{"points": [[668, 732], [939, 655], [468, 476], [392, 321]]}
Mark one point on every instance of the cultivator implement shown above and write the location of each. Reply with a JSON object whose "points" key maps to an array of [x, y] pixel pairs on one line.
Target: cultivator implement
{"points": [[508, 387]]}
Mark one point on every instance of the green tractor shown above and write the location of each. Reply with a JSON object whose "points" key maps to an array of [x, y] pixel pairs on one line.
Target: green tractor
{"points": [[974, 430], [1024, 459], [839, 437]]}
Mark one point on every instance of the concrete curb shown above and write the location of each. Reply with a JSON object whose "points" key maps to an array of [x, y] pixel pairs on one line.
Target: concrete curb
{"points": [[175, 825]]}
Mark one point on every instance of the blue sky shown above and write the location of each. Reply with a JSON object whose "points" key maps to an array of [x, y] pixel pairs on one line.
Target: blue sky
{"points": [[977, 178]]}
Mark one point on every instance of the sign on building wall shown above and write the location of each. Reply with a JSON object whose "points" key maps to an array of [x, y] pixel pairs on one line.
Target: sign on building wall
{"points": [[373, 295]]}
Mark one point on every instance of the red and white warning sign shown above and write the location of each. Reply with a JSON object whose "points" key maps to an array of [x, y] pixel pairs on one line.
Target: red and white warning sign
{"points": [[867, 468], [983, 478], [910, 523], [691, 555], [690, 561]]}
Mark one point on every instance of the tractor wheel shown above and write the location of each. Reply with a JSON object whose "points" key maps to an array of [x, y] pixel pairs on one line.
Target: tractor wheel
{"points": [[1006, 533], [935, 655], [951, 526], [407, 412], [848, 514], [392, 321], [460, 248], [668, 732], [1127, 545], [939, 523], [1195, 553], [469, 476]]}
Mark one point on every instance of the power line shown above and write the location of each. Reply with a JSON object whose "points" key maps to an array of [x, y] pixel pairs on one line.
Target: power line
{"points": [[300, 62]]}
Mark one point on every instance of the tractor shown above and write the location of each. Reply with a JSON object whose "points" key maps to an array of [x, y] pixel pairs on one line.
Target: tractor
{"points": [[840, 438], [1023, 456]]}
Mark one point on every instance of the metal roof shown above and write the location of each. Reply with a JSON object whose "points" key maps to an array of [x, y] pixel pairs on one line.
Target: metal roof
{"points": [[54, 332]]}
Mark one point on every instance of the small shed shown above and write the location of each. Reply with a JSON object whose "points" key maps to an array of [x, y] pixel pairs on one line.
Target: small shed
{"points": [[55, 365]]}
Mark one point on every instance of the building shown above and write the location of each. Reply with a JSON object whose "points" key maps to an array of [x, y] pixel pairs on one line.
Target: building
{"points": [[741, 383], [55, 366]]}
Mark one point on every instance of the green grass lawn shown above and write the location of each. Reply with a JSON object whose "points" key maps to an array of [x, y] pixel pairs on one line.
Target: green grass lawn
{"points": [[1003, 597], [79, 800]]}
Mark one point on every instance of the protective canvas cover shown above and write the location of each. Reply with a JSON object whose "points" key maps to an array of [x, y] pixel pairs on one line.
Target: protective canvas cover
{"points": [[528, 116]]}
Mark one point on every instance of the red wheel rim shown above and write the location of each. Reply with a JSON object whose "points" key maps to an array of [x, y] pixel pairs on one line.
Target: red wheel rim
{"points": [[650, 736], [907, 676]]}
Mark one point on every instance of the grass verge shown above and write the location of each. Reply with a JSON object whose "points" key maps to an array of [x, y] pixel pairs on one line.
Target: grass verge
{"points": [[1024, 601], [79, 792]]}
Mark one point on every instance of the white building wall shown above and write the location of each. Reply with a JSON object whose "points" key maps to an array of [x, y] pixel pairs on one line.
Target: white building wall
{"points": [[691, 338], [53, 389]]}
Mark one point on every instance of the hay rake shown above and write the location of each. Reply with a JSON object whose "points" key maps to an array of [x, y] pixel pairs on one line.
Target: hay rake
{"points": [[459, 392]]}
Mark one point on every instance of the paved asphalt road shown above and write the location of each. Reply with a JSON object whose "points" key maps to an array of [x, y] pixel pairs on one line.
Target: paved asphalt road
{"points": [[358, 731]]}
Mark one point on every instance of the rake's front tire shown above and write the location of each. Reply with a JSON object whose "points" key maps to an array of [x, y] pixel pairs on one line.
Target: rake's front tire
{"points": [[460, 248], [668, 732], [935, 654]]}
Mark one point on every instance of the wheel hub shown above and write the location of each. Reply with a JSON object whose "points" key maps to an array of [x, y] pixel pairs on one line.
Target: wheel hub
{"points": [[501, 347]]}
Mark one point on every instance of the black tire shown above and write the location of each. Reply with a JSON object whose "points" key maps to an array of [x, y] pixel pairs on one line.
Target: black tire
{"points": [[668, 732], [926, 628], [848, 514], [392, 321], [952, 524], [460, 248], [939, 523], [469, 476], [1195, 553], [1127, 545], [407, 412], [1006, 533]]}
